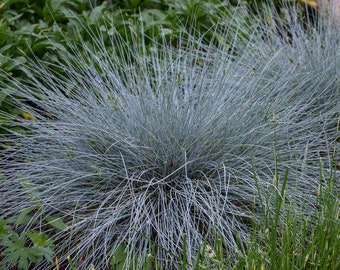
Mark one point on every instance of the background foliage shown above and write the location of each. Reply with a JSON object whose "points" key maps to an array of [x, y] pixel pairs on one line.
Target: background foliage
{"points": [[31, 29]]}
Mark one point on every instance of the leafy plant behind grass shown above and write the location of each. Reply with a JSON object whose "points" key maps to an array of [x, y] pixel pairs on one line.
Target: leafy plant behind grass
{"points": [[33, 29], [164, 151], [29, 29], [24, 249]]}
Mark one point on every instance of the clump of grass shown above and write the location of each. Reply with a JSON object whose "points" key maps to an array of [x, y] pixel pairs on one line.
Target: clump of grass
{"points": [[163, 150]]}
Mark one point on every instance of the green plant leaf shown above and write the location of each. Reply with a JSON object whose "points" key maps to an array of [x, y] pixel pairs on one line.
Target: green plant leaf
{"points": [[24, 217], [18, 61], [56, 223], [39, 239], [31, 190], [42, 245], [96, 14], [5, 230], [16, 253], [119, 257]]}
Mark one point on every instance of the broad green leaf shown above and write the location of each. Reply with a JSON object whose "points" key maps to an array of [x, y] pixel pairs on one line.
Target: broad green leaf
{"points": [[31, 190], [119, 257], [96, 14], [24, 217], [56, 223], [46, 44], [38, 239], [4, 229], [47, 252], [16, 62], [6, 48]]}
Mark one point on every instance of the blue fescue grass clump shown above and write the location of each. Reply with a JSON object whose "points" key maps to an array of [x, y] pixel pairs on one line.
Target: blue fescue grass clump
{"points": [[167, 150]]}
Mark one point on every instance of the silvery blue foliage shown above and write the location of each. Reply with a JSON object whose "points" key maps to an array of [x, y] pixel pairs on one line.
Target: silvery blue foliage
{"points": [[151, 148]]}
